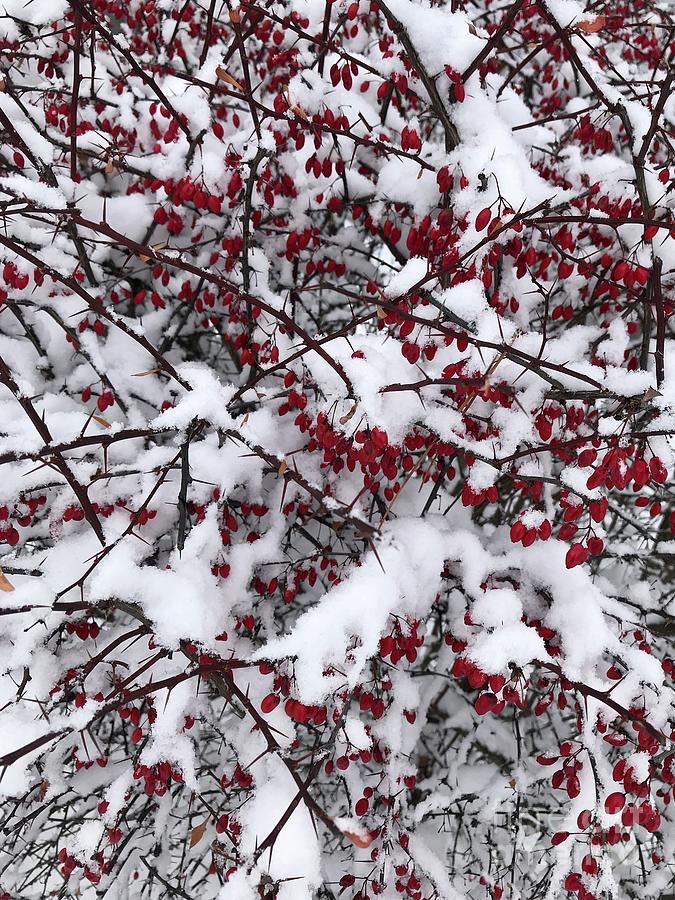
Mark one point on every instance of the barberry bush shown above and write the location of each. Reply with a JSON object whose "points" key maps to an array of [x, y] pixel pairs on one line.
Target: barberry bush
{"points": [[337, 403]]}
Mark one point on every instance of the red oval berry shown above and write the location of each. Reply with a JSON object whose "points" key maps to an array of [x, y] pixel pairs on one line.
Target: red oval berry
{"points": [[270, 702], [485, 703], [482, 219], [615, 802], [361, 807]]}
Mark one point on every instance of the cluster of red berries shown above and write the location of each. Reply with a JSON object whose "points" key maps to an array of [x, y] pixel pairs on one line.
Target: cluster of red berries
{"points": [[70, 863], [8, 532], [157, 779], [134, 715], [300, 713], [617, 470], [83, 629], [397, 645], [142, 517], [240, 777], [522, 534]]}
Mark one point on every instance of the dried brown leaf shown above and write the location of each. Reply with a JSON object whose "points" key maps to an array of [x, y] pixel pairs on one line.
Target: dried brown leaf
{"points": [[155, 247], [104, 423], [590, 26], [295, 107], [299, 111], [5, 584], [347, 416], [282, 468], [359, 840], [649, 394], [223, 75], [197, 833], [147, 372]]}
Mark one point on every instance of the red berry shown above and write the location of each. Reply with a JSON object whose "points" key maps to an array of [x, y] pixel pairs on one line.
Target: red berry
{"points": [[485, 703], [615, 802], [589, 865], [576, 555], [270, 702], [482, 219]]}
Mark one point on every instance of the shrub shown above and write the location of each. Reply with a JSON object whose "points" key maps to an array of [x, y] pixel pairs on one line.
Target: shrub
{"points": [[337, 409]]}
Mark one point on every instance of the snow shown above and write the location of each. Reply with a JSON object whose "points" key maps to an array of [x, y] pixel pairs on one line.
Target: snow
{"points": [[434, 867], [513, 644], [466, 300], [415, 270], [207, 399], [438, 35], [35, 13], [566, 12], [496, 608], [388, 586], [168, 743], [404, 181], [239, 886], [295, 854], [39, 193]]}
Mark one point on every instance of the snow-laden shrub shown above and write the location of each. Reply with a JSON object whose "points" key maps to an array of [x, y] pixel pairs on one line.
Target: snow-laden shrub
{"points": [[337, 399]]}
